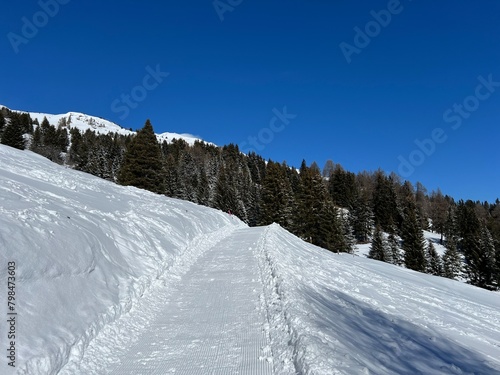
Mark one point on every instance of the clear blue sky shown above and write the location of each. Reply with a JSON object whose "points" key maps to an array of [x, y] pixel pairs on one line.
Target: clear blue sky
{"points": [[230, 70]]}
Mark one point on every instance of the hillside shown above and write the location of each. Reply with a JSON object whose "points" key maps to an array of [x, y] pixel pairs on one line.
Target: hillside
{"points": [[85, 122], [86, 250], [335, 209], [110, 279]]}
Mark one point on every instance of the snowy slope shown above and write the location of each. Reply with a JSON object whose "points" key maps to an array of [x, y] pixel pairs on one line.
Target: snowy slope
{"points": [[346, 314], [85, 251], [84, 122], [116, 280]]}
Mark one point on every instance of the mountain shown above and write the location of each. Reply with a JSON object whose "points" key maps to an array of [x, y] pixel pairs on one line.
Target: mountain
{"points": [[113, 279], [84, 122]]}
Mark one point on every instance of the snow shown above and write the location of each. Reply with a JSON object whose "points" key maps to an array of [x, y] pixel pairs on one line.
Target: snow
{"points": [[86, 251], [115, 280], [208, 322], [346, 314], [85, 122]]}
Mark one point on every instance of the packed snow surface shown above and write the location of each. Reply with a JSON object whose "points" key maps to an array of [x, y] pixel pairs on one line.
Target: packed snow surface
{"points": [[115, 280]]}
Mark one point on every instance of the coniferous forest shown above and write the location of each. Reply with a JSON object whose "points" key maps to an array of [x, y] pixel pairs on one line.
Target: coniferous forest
{"points": [[329, 207]]}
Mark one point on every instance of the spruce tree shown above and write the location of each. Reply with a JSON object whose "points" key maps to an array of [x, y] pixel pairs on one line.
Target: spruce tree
{"points": [[396, 256], [469, 229], [385, 205], [142, 164], [331, 230], [225, 195], [349, 241], [487, 263], [450, 228], [439, 213], [276, 197], [452, 262], [343, 188], [311, 199], [62, 139], [362, 218], [2, 122], [378, 248], [13, 136], [172, 180], [36, 141], [434, 265], [411, 233]]}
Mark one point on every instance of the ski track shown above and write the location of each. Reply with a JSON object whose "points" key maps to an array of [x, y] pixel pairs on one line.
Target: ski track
{"points": [[209, 321]]}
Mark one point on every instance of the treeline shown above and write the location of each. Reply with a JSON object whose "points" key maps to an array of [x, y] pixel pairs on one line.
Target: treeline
{"points": [[332, 208]]}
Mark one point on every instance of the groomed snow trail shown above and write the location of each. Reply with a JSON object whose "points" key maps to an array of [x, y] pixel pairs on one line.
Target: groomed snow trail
{"points": [[212, 321]]}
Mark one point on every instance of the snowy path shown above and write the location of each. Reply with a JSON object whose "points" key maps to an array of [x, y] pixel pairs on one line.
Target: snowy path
{"points": [[212, 321]]}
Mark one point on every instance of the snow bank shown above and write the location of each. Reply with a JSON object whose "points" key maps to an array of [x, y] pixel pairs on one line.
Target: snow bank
{"points": [[342, 314], [85, 251]]}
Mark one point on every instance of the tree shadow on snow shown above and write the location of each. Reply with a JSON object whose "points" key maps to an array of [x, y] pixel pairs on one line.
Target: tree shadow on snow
{"points": [[385, 344]]}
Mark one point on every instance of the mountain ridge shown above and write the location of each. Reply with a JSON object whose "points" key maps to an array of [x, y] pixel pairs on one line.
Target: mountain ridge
{"points": [[100, 125]]}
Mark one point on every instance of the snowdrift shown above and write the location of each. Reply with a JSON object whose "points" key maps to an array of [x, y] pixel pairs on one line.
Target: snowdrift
{"points": [[85, 250]]}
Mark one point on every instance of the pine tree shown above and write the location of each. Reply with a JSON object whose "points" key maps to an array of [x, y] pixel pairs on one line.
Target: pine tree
{"points": [[378, 248], [434, 265], [142, 164]]}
